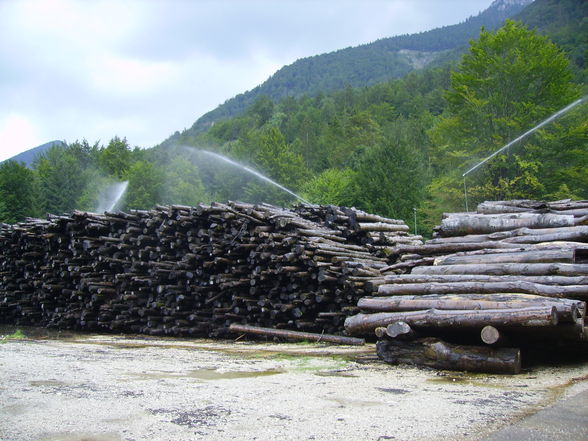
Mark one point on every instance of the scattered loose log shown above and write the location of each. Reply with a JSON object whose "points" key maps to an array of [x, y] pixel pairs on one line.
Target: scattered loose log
{"points": [[295, 335], [431, 352]]}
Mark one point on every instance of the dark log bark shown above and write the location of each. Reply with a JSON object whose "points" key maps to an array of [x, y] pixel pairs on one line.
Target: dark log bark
{"points": [[437, 354], [295, 335]]}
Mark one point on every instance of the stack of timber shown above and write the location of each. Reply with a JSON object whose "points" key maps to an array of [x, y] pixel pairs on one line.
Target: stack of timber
{"points": [[512, 275], [179, 270]]}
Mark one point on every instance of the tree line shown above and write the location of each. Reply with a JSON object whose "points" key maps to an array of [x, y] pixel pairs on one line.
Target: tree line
{"points": [[389, 148]]}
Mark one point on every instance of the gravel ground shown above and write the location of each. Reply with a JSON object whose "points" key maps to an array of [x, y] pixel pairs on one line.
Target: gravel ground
{"points": [[114, 388]]}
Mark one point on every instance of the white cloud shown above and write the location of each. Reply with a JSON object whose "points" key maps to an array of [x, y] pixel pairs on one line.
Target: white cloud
{"points": [[74, 69], [17, 133]]}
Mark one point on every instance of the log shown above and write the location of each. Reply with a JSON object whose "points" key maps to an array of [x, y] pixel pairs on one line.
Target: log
{"points": [[561, 255], [401, 331], [567, 310], [296, 335], [435, 353], [521, 235], [476, 224], [499, 269], [364, 324], [449, 278], [572, 291], [492, 336]]}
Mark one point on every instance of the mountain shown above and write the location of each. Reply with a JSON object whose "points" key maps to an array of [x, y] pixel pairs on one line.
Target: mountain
{"points": [[566, 23], [29, 156], [364, 65]]}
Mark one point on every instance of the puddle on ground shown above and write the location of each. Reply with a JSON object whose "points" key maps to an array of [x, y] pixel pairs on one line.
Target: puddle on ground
{"points": [[469, 379], [346, 402], [47, 383], [206, 374], [393, 390], [80, 436], [345, 374], [15, 409]]}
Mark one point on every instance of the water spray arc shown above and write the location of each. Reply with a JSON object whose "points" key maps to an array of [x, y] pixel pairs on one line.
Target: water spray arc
{"points": [[524, 135], [112, 196], [253, 172]]}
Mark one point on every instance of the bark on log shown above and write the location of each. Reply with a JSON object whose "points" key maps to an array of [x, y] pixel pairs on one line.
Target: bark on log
{"points": [[571, 291], [431, 352], [449, 278], [522, 256], [530, 269], [567, 310], [521, 235], [295, 335], [364, 324], [476, 224]]}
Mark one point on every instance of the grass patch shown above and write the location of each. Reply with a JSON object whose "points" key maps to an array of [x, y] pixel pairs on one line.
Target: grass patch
{"points": [[16, 335]]}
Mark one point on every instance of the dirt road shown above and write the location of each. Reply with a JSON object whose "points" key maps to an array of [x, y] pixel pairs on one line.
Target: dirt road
{"points": [[114, 388]]}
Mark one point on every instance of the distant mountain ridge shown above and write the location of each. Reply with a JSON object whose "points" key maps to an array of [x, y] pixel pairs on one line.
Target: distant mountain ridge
{"points": [[28, 157], [363, 65]]}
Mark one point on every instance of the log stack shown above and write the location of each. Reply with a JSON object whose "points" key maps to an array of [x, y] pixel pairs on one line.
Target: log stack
{"points": [[513, 273], [179, 270]]}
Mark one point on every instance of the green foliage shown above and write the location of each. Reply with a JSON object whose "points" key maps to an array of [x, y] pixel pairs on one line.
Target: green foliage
{"points": [[387, 148], [358, 67], [182, 183], [145, 188], [390, 181], [16, 192], [508, 82], [60, 180], [115, 159], [332, 186]]}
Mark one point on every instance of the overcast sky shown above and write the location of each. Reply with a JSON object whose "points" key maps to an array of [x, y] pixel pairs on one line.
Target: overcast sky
{"points": [[142, 69]]}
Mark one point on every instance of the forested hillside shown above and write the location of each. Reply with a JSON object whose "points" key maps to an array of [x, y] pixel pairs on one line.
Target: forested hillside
{"points": [[396, 148], [364, 65]]}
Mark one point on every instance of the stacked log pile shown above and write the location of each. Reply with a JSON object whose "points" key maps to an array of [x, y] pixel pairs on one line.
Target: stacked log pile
{"points": [[182, 270], [515, 273]]}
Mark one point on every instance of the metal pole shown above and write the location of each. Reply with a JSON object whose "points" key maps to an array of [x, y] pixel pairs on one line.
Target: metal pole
{"points": [[465, 193]]}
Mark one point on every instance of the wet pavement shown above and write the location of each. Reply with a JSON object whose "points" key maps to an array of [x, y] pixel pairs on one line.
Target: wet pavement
{"points": [[68, 387]]}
